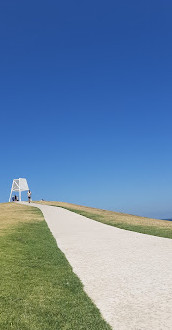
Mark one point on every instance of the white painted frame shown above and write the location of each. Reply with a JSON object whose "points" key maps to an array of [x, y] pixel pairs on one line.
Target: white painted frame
{"points": [[19, 185]]}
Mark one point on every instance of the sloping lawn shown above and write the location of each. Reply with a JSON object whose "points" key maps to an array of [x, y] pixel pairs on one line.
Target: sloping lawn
{"points": [[38, 287], [131, 222]]}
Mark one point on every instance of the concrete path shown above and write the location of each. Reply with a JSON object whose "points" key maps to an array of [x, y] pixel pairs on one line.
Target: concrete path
{"points": [[128, 275]]}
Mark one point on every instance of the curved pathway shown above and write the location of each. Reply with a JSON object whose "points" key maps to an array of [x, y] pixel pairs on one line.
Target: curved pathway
{"points": [[128, 275]]}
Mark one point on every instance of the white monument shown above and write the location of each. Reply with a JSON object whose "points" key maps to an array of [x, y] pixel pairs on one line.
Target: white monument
{"points": [[19, 185]]}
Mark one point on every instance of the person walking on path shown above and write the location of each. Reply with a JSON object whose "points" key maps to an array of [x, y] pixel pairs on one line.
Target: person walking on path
{"points": [[29, 195]]}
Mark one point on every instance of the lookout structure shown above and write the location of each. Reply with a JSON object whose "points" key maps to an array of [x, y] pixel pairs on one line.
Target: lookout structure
{"points": [[19, 185]]}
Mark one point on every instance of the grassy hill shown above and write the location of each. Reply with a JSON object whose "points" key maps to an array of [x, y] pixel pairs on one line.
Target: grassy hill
{"points": [[131, 222], [38, 287]]}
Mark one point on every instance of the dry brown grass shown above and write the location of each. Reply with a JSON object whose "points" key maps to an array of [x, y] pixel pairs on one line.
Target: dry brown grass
{"points": [[114, 217], [12, 214]]}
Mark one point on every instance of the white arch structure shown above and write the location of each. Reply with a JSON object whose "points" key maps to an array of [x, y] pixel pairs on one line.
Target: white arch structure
{"points": [[19, 185]]}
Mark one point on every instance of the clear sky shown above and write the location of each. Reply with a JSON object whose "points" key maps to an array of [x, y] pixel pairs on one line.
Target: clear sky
{"points": [[86, 102]]}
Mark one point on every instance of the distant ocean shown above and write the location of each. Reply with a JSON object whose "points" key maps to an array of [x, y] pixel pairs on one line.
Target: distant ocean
{"points": [[166, 219]]}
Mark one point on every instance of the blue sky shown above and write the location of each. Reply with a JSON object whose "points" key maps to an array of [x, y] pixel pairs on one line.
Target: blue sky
{"points": [[86, 102]]}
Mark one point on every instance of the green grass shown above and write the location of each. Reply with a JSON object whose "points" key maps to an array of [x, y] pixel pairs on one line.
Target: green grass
{"points": [[140, 228], [125, 221], [38, 287]]}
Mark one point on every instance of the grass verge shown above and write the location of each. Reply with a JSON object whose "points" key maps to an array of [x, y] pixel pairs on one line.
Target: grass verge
{"points": [[38, 287], [130, 222]]}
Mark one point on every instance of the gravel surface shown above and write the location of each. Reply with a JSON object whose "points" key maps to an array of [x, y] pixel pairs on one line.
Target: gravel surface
{"points": [[128, 275]]}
